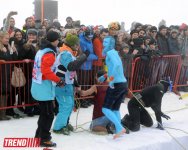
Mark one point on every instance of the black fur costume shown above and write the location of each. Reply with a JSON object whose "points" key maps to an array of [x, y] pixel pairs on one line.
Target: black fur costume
{"points": [[151, 97]]}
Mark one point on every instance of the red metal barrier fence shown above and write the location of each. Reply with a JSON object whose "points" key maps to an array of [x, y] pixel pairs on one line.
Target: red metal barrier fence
{"points": [[139, 72], [8, 93]]}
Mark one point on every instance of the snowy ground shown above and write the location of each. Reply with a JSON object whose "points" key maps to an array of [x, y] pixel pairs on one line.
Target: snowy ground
{"points": [[145, 139]]}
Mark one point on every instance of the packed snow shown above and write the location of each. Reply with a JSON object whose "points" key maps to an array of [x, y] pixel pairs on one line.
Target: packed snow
{"points": [[174, 137]]}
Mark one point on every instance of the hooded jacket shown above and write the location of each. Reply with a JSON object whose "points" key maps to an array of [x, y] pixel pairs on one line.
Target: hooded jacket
{"points": [[87, 45], [113, 61]]}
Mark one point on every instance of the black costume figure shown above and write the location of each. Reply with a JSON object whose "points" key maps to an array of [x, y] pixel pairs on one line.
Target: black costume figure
{"points": [[150, 97]]}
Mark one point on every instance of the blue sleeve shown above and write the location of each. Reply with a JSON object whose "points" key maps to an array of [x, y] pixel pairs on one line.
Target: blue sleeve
{"points": [[114, 64], [66, 58], [113, 68], [92, 57]]}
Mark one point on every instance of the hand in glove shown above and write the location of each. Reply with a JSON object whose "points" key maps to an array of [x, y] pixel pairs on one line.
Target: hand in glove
{"points": [[87, 53], [102, 78], [160, 126], [165, 116], [111, 85], [61, 83]]}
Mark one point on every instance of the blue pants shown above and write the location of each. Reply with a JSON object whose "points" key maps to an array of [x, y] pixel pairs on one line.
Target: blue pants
{"points": [[101, 121], [66, 104]]}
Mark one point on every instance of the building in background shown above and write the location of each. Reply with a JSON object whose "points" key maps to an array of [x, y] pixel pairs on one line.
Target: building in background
{"points": [[45, 9]]}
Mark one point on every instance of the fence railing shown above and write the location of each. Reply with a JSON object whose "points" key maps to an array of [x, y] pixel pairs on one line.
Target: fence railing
{"points": [[139, 72]]}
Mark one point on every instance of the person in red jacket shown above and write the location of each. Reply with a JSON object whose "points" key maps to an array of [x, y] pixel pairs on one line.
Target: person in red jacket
{"points": [[98, 47], [43, 88]]}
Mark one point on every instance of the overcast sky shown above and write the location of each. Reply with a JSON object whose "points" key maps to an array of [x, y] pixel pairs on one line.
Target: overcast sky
{"points": [[104, 11]]}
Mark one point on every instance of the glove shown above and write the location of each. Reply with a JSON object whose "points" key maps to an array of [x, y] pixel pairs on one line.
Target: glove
{"points": [[111, 85], [87, 53], [165, 116], [102, 78], [160, 126], [61, 83], [76, 83]]}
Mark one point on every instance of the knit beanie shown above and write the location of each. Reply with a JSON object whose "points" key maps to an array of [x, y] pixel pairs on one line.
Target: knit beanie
{"points": [[71, 39], [173, 31], [52, 36], [138, 42], [32, 31]]}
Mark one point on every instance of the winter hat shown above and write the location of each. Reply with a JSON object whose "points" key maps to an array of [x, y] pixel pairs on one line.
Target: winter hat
{"points": [[124, 45], [153, 28], [88, 32], [147, 38], [32, 31], [56, 24], [173, 31], [52, 36], [138, 25], [138, 42], [183, 27], [152, 42], [114, 26], [71, 39]]}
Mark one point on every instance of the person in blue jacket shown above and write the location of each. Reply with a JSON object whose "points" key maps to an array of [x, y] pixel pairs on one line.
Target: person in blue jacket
{"points": [[86, 74], [66, 65], [43, 89], [117, 85]]}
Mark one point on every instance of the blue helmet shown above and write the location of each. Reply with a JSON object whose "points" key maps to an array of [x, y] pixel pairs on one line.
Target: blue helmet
{"points": [[88, 32]]}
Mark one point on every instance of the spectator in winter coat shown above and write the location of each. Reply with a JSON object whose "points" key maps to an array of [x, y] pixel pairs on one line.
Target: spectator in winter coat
{"points": [[7, 53], [183, 40], [98, 47], [162, 40], [173, 43], [69, 24], [134, 35], [86, 72], [9, 23], [153, 33]]}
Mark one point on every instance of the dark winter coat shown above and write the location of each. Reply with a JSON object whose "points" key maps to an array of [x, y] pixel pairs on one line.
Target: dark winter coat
{"points": [[5, 71], [173, 46], [162, 43]]}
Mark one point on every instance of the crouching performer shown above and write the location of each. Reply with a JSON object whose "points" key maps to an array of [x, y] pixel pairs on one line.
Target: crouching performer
{"points": [[148, 97], [66, 66]]}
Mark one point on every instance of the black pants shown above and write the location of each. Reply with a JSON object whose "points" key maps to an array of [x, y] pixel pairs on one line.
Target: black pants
{"points": [[45, 120], [114, 97], [137, 115]]}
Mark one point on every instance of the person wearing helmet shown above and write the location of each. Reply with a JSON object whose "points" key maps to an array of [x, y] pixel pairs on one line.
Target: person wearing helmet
{"points": [[86, 74]]}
